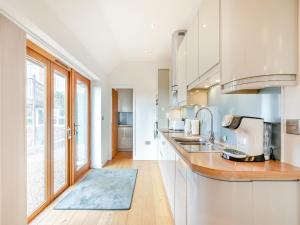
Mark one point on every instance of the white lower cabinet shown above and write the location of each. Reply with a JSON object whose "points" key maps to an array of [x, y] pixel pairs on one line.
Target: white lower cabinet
{"points": [[125, 137], [276, 203], [180, 192], [167, 167], [197, 200], [211, 202]]}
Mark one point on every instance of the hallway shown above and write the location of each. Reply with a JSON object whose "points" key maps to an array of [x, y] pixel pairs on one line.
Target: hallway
{"points": [[149, 206]]}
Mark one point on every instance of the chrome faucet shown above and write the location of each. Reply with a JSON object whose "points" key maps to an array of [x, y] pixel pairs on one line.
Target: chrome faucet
{"points": [[211, 133]]}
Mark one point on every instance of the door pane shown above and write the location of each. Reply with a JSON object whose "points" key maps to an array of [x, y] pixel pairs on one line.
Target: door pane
{"points": [[81, 124], [59, 131], [36, 134]]}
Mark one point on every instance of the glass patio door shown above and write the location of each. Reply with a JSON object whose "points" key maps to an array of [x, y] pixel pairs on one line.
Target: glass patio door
{"points": [[47, 114], [82, 125], [60, 129], [38, 131]]}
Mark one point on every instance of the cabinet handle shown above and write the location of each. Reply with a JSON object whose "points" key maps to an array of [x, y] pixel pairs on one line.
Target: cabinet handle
{"points": [[155, 130]]}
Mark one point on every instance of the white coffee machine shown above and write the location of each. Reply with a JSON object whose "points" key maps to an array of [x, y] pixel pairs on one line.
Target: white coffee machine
{"points": [[253, 138]]}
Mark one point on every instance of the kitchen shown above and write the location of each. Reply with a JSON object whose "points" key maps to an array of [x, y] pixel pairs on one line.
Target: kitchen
{"points": [[157, 118], [227, 81]]}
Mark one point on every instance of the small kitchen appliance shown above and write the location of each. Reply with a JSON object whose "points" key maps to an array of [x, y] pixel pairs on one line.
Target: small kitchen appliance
{"points": [[253, 139], [177, 125]]}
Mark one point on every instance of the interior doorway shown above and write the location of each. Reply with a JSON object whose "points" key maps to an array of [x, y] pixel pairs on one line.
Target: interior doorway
{"points": [[122, 120]]}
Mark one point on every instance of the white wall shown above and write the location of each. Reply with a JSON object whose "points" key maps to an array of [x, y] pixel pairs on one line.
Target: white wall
{"points": [[291, 110], [142, 77], [100, 123], [12, 124]]}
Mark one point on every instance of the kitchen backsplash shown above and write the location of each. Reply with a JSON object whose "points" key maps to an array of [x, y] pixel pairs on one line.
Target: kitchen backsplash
{"points": [[265, 104], [125, 118]]}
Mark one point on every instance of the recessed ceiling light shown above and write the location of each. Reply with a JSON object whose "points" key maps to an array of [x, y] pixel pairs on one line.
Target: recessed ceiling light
{"points": [[152, 26], [204, 25], [147, 52]]}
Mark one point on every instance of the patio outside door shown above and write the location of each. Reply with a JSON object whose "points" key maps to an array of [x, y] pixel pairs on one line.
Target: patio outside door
{"points": [[47, 108], [82, 125]]}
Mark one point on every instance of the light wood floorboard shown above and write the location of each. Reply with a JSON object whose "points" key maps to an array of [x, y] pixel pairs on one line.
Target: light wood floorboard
{"points": [[149, 205]]}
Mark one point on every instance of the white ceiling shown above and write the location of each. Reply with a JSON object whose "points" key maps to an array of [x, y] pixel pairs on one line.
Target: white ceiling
{"points": [[103, 33]]}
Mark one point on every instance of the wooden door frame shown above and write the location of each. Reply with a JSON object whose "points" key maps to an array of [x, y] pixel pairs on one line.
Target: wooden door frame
{"points": [[62, 70], [114, 135], [76, 175], [31, 54], [134, 118], [36, 53]]}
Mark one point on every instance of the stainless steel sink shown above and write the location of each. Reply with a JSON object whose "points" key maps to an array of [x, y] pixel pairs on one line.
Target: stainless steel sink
{"points": [[192, 144], [188, 139]]}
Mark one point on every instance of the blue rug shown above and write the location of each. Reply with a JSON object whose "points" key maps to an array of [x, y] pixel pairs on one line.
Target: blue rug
{"points": [[102, 189]]}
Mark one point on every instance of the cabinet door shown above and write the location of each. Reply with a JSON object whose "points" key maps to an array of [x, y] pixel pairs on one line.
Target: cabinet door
{"points": [[208, 35], [170, 175], [212, 202], [285, 211], [180, 192], [167, 169], [259, 37], [125, 137], [181, 71], [192, 51]]}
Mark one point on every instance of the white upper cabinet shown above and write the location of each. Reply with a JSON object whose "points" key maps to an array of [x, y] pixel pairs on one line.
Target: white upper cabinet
{"points": [[208, 35], [203, 51], [181, 72], [192, 50], [258, 43]]}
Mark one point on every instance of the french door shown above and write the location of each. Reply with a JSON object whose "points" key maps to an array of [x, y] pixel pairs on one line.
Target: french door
{"points": [[48, 120], [81, 125], [60, 132]]}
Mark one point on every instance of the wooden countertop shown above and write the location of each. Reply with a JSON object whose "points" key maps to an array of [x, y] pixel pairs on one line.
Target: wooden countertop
{"points": [[214, 166]]}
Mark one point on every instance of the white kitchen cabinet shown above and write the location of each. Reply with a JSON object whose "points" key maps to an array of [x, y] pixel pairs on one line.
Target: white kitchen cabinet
{"points": [[278, 199], [180, 192], [211, 202], [203, 48], [181, 71], [177, 38], [167, 167], [125, 100], [125, 137], [196, 199], [258, 43], [192, 50], [209, 34]]}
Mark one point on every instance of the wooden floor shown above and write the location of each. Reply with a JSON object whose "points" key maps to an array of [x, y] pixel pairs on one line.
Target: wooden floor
{"points": [[149, 206]]}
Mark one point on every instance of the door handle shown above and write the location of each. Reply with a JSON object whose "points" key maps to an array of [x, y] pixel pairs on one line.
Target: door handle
{"points": [[76, 128], [69, 133]]}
